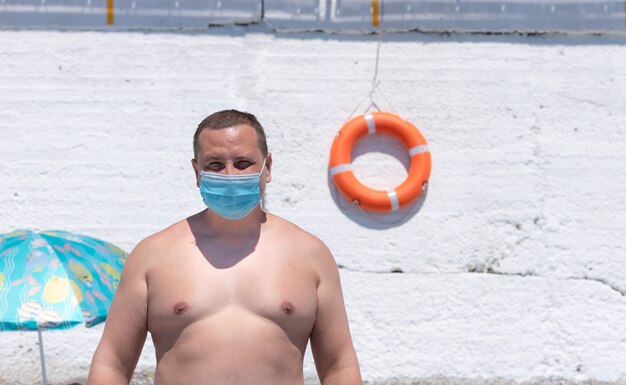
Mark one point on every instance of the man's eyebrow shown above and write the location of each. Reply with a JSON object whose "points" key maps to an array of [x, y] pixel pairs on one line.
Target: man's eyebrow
{"points": [[210, 158], [245, 157]]}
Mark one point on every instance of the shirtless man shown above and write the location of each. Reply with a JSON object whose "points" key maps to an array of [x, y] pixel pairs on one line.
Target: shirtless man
{"points": [[230, 295]]}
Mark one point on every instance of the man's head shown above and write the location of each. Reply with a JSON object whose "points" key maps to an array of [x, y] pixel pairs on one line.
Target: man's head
{"points": [[229, 118], [231, 142]]}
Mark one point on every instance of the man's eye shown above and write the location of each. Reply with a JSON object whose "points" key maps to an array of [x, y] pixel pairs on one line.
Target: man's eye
{"points": [[215, 166], [243, 164]]}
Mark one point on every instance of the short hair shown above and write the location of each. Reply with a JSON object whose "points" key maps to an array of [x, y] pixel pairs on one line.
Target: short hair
{"points": [[230, 118]]}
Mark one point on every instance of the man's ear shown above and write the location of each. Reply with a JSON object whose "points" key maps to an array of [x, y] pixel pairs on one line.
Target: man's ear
{"points": [[194, 164], [268, 168]]}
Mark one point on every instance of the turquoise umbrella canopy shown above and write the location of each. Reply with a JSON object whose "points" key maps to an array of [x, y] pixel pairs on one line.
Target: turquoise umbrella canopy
{"points": [[56, 279]]}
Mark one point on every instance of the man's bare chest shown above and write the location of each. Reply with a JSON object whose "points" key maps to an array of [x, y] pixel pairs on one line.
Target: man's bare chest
{"points": [[186, 289]]}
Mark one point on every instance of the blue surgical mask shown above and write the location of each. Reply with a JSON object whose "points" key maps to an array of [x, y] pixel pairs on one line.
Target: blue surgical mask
{"points": [[231, 196]]}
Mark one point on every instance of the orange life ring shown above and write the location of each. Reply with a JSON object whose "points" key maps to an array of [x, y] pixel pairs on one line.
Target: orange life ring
{"points": [[379, 200]]}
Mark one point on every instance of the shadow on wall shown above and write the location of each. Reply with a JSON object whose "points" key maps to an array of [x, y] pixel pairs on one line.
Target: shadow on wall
{"points": [[380, 144]]}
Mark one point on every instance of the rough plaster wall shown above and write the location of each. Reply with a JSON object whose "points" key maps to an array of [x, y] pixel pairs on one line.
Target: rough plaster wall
{"points": [[513, 262]]}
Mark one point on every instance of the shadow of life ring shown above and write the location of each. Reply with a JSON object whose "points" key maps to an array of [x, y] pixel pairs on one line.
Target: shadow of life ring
{"points": [[340, 166]]}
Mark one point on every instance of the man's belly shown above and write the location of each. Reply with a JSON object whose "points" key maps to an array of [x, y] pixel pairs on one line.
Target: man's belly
{"points": [[233, 347]]}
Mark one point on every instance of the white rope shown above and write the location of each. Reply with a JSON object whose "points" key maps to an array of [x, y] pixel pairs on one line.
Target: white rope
{"points": [[375, 83]]}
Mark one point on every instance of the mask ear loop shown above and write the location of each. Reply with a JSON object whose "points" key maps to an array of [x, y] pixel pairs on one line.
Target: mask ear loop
{"points": [[262, 200], [263, 168]]}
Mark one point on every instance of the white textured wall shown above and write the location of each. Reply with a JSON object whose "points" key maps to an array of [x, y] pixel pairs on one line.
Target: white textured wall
{"points": [[514, 262]]}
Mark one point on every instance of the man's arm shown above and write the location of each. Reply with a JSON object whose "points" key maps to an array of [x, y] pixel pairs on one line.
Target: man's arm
{"points": [[125, 330], [331, 343]]}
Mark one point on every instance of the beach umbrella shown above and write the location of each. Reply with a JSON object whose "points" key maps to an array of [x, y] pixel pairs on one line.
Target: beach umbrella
{"points": [[55, 280]]}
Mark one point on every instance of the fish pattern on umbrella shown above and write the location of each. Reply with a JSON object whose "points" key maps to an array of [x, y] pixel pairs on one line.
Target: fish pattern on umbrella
{"points": [[56, 279]]}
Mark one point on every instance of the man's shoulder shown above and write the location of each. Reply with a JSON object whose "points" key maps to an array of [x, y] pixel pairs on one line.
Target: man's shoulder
{"points": [[297, 237], [290, 229], [306, 247], [177, 232]]}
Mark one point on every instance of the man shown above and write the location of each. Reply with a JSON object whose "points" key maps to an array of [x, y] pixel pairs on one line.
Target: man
{"points": [[230, 295]]}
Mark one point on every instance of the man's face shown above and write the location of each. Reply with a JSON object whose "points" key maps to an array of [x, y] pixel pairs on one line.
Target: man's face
{"points": [[231, 151]]}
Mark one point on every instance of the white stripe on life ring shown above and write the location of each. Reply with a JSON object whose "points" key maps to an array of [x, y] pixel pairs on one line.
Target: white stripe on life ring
{"points": [[371, 125], [340, 168], [418, 150], [393, 198]]}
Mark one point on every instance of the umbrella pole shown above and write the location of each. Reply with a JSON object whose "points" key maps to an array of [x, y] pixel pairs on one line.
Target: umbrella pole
{"points": [[44, 380]]}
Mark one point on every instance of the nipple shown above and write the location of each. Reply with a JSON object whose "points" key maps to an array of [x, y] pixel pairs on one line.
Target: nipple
{"points": [[287, 308], [181, 308]]}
